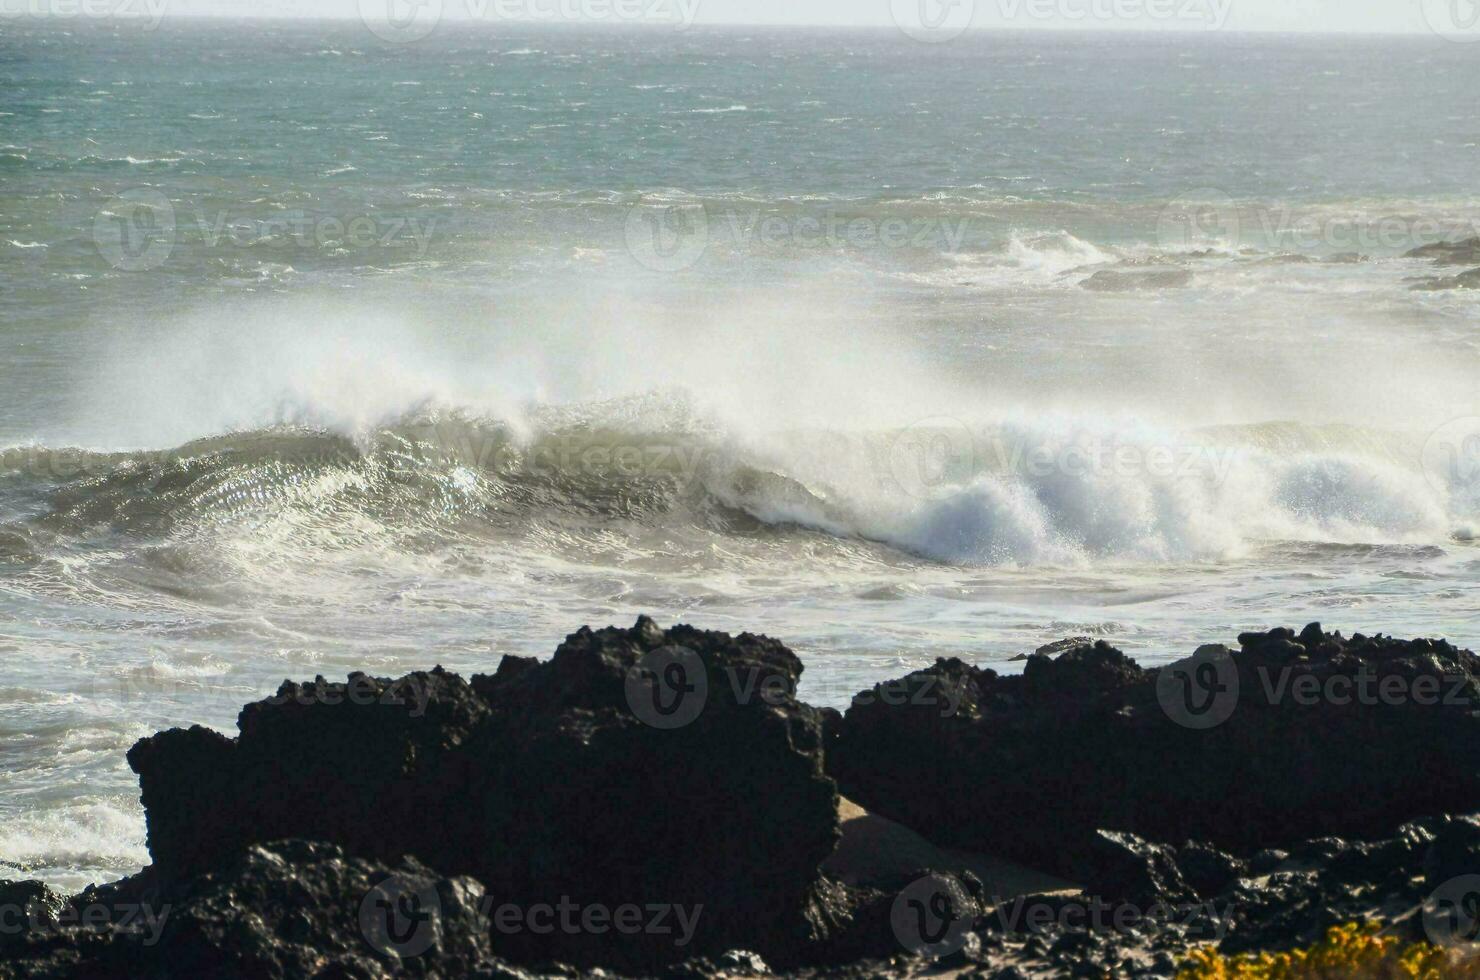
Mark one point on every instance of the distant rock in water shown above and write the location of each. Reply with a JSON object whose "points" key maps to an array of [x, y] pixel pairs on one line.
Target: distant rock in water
{"points": [[543, 781], [1465, 280], [1285, 258], [1291, 737], [1061, 646], [1108, 281], [1464, 252]]}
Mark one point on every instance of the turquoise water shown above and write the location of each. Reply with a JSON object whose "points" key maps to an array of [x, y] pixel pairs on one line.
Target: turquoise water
{"points": [[325, 353]]}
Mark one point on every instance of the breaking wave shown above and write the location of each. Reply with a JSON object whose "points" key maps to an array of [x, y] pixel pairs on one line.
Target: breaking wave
{"points": [[298, 430], [1009, 492]]}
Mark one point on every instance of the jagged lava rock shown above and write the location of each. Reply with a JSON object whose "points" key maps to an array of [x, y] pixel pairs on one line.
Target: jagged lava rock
{"points": [[1031, 766], [542, 782], [276, 912]]}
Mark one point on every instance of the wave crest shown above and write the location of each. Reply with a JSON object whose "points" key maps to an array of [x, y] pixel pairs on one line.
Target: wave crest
{"points": [[1019, 492]]}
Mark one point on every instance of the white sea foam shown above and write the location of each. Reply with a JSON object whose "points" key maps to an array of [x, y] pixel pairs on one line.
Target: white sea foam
{"points": [[846, 420], [77, 844]]}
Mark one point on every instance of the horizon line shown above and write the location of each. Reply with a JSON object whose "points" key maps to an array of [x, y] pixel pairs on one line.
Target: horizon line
{"points": [[73, 20]]}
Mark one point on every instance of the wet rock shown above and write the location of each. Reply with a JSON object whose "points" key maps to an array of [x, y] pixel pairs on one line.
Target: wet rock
{"points": [[586, 779], [1061, 646], [1109, 281], [1464, 252], [1465, 280], [1287, 738]]}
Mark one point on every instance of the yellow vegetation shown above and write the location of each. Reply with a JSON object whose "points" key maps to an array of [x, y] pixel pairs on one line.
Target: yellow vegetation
{"points": [[1351, 952]]}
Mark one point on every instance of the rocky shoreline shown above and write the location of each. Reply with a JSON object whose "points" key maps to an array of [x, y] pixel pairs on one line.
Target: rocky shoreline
{"points": [[660, 803]]}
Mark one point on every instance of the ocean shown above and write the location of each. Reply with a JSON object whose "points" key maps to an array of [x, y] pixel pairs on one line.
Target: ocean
{"points": [[330, 353]]}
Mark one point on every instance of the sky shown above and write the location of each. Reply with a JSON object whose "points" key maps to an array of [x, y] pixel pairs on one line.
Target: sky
{"points": [[1456, 18]]}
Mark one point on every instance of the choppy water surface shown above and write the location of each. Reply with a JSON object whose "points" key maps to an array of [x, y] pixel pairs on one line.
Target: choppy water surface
{"points": [[324, 353]]}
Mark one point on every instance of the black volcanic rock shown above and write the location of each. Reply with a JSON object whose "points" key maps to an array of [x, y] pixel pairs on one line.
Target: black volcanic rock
{"points": [[1121, 930], [1464, 252], [353, 763], [1289, 738], [675, 771], [547, 782], [1207, 870], [1122, 867], [277, 912]]}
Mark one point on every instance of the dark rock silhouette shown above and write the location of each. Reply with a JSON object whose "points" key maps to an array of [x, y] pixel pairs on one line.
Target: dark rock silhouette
{"points": [[544, 781], [1322, 735], [1463, 252]]}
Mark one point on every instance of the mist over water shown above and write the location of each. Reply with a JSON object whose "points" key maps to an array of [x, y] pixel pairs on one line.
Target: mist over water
{"points": [[430, 353]]}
